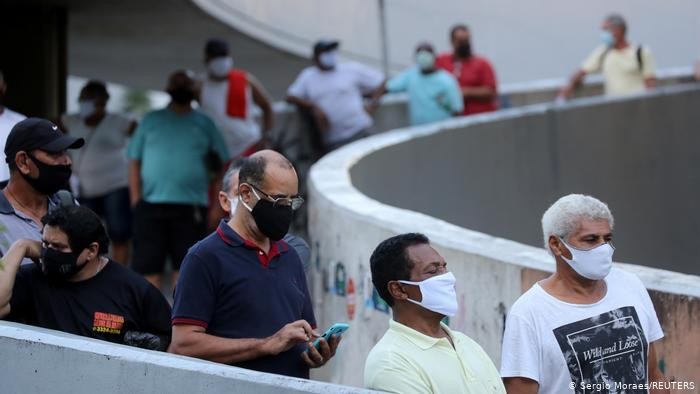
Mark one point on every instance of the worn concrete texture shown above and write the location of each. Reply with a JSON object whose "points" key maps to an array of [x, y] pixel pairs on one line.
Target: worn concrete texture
{"points": [[45, 361], [400, 168]]}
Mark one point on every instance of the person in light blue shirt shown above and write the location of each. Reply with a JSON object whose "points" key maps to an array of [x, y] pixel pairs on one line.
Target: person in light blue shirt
{"points": [[433, 94], [174, 155]]}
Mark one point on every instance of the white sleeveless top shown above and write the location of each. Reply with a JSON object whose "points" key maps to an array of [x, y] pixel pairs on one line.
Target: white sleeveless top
{"points": [[238, 133], [100, 165]]}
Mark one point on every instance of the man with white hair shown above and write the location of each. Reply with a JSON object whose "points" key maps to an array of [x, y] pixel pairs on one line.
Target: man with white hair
{"points": [[588, 327]]}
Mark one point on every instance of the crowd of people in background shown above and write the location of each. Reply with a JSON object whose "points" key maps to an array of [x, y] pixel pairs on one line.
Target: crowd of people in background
{"points": [[197, 186]]}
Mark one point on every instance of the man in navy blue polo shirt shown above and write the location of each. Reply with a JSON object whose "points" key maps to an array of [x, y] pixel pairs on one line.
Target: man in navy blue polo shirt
{"points": [[242, 297]]}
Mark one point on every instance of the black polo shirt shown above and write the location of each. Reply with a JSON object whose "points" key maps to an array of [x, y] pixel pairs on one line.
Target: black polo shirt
{"points": [[235, 290]]}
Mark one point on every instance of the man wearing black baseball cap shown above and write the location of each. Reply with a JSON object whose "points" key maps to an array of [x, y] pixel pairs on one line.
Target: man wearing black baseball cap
{"points": [[333, 94], [35, 152]]}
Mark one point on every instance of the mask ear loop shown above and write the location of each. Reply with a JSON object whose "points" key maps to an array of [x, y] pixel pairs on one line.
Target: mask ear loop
{"points": [[240, 197]]}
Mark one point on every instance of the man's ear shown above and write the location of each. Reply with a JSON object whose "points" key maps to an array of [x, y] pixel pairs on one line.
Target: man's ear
{"points": [[396, 290], [557, 247], [21, 160], [93, 250], [245, 191], [224, 202]]}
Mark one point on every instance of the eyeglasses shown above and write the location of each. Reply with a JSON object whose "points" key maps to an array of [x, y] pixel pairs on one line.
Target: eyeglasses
{"points": [[292, 202]]}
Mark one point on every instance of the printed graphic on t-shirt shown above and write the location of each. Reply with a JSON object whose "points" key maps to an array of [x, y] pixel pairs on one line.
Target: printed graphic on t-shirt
{"points": [[606, 353], [107, 323]]}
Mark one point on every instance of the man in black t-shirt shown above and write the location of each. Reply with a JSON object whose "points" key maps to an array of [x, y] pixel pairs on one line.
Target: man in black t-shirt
{"points": [[75, 288]]}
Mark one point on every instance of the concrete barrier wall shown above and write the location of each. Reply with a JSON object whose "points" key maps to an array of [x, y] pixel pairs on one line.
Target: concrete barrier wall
{"points": [[495, 174], [44, 361], [498, 176], [393, 111]]}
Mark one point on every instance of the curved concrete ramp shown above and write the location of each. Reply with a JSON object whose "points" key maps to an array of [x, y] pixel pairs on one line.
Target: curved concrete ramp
{"points": [[496, 174]]}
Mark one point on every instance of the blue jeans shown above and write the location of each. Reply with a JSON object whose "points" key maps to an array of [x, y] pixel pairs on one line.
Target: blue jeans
{"points": [[115, 208]]}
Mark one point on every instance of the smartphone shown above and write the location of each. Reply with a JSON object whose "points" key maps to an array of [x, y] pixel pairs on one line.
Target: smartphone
{"points": [[336, 329]]}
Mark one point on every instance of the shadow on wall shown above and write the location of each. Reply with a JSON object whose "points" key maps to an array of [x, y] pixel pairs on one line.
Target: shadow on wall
{"points": [[639, 155], [496, 174]]}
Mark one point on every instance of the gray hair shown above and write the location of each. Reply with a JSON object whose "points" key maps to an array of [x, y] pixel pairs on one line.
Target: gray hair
{"points": [[617, 20], [227, 180], [564, 217]]}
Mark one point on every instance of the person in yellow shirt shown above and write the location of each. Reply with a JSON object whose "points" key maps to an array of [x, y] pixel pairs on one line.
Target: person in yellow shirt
{"points": [[419, 353], [627, 68]]}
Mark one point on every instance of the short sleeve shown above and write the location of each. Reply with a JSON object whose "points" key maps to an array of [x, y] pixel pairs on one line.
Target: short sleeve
{"points": [[594, 61], [21, 299], [135, 149], [367, 78], [521, 350], [299, 87], [399, 83], [155, 318], [195, 293], [653, 330], [648, 64], [454, 94], [394, 376]]}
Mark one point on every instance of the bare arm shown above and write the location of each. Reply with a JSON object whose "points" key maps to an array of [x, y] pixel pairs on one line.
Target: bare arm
{"points": [[650, 82], [262, 100], [655, 374], [192, 340], [319, 116], [482, 93], [9, 265], [300, 102], [574, 82], [520, 385], [375, 96], [132, 128], [134, 181]]}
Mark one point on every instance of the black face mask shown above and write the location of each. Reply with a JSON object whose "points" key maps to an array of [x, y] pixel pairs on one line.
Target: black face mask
{"points": [[59, 265], [182, 96], [273, 221], [51, 179], [464, 49]]}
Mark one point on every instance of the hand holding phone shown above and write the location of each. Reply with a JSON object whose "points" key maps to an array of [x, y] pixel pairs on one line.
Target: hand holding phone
{"points": [[336, 329]]}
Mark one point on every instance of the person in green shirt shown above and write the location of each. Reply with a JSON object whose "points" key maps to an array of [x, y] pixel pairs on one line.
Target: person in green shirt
{"points": [[419, 353], [173, 155]]}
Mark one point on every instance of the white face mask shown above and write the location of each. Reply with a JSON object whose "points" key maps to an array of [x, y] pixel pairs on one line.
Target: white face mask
{"points": [[593, 264], [233, 202], [438, 293], [86, 108], [328, 59], [219, 67]]}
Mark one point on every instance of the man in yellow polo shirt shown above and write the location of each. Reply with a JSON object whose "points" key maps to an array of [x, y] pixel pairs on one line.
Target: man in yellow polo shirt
{"points": [[627, 68], [420, 354]]}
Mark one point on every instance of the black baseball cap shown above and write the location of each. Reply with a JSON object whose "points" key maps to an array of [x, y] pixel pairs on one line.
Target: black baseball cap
{"points": [[37, 133], [216, 47], [325, 45]]}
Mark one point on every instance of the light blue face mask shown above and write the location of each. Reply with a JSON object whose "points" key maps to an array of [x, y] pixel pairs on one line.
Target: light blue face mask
{"points": [[607, 38], [425, 60]]}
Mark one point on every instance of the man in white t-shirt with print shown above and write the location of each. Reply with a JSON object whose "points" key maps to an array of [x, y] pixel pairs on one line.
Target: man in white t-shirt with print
{"points": [[627, 68], [587, 327], [8, 119], [333, 93]]}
